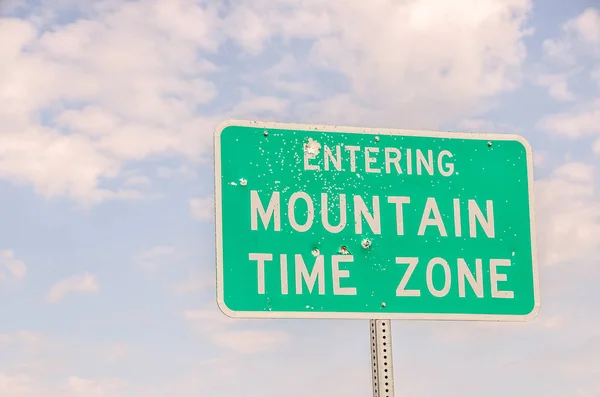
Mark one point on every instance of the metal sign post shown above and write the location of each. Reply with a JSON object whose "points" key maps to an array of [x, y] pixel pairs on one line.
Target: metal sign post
{"points": [[381, 358]]}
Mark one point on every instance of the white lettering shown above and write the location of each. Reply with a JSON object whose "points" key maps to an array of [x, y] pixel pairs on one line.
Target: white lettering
{"points": [[427, 163], [352, 150], [284, 273], [360, 209], [337, 161], [309, 155], [447, 280], [412, 264], [476, 214], [476, 282], [398, 201], [260, 261], [273, 210], [432, 207], [337, 274], [325, 214], [369, 160], [450, 166], [495, 278], [318, 272], [310, 213], [389, 160]]}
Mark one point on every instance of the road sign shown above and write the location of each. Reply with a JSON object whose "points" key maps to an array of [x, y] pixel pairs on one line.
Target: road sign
{"points": [[339, 222]]}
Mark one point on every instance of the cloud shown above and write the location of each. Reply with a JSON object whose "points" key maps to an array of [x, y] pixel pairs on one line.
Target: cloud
{"points": [[578, 47], [202, 208], [581, 32], [118, 85], [214, 325], [27, 341], [568, 214], [137, 180], [172, 172], [23, 385], [482, 125], [81, 387], [595, 75], [258, 106], [155, 258], [14, 385], [396, 56], [557, 85], [251, 341], [124, 81], [580, 122], [85, 283], [194, 283], [11, 268]]}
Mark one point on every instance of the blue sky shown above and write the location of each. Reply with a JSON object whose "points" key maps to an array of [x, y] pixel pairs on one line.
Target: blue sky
{"points": [[106, 244]]}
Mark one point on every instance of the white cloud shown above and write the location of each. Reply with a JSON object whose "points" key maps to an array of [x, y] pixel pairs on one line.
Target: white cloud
{"points": [[207, 319], [576, 172], [14, 385], [81, 387], [568, 214], [119, 85], [115, 352], [579, 47], [251, 341], [581, 121], [483, 125], [540, 158], [27, 341], [211, 323], [24, 385], [557, 85], [124, 82], [393, 57], [202, 208], [581, 32], [11, 268], [85, 283], [194, 283], [137, 180], [172, 172], [595, 75], [586, 26], [257, 106], [153, 259]]}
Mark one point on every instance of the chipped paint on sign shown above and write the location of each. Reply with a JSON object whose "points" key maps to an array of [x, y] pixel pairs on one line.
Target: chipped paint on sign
{"points": [[342, 222]]}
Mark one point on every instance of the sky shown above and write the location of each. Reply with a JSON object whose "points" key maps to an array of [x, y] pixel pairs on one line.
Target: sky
{"points": [[107, 110]]}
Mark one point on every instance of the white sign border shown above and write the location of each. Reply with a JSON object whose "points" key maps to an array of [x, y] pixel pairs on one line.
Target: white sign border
{"points": [[267, 125]]}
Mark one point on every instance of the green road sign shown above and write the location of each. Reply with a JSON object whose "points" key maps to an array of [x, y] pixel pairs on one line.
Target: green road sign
{"points": [[339, 222]]}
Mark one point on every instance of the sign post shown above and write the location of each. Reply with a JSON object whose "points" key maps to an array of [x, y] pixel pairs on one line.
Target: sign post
{"points": [[360, 223], [381, 358]]}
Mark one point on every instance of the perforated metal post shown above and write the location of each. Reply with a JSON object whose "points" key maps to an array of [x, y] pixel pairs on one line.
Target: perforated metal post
{"points": [[381, 358]]}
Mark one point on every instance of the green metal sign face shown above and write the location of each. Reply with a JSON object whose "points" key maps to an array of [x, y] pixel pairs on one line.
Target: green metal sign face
{"points": [[339, 222]]}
